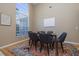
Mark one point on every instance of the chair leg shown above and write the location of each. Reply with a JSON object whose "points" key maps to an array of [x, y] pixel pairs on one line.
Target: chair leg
{"points": [[62, 46], [41, 47], [30, 41], [33, 42], [36, 45], [48, 49], [52, 45], [56, 48]]}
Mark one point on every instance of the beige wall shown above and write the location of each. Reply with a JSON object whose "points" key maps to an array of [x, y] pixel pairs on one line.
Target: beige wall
{"points": [[31, 17], [8, 33], [67, 18]]}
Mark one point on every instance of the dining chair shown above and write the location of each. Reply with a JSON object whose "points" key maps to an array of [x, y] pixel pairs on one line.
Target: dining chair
{"points": [[49, 32], [35, 39], [45, 39], [61, 39], [30, 37], [42, 32]]}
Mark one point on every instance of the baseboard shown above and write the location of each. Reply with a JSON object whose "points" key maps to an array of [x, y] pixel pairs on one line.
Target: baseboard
{"points": [[13, 43], [72, 42]]}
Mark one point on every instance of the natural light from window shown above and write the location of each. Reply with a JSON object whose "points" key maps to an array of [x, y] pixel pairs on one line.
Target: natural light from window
{"points": [[22, 14]]}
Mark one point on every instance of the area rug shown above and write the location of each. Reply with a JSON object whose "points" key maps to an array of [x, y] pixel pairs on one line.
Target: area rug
{"points": [[22, 50]]}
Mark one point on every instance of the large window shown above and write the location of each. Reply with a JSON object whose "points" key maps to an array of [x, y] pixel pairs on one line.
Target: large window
{"points": [[22, 15]]}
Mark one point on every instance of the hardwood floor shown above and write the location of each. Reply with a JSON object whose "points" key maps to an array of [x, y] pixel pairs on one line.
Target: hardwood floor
{"points": [[6, 51], [1, 54]]}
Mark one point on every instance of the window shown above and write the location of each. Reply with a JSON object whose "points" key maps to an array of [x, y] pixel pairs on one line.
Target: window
{"points": [[22, 19]]}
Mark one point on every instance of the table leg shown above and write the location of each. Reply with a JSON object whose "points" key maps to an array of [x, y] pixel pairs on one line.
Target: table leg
{"points": [[56, 48]]}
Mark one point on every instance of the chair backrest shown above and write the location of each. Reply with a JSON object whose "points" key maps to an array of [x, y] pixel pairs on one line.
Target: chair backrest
{"points": [[62, 37], [35, 37], [30, 34], [41, 32], [45, 38], [49, 32]]}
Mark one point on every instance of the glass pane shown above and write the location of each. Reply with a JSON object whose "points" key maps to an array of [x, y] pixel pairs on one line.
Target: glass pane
{"points": [[21, 19]]}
